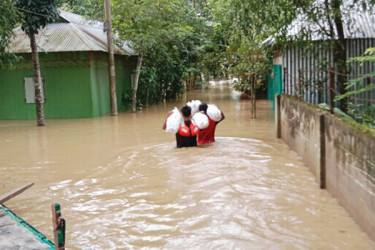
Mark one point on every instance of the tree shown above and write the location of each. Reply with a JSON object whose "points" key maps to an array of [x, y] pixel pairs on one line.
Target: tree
{"points": [[175, 59], [7, 23], [145, 23], [324, 19], [327, 20], [92, 9], [176, 51], [244, 25], [252, 21], [37, 14]]}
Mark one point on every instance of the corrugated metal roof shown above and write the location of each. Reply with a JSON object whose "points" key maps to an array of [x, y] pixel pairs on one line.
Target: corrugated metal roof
{"points": [[362, 26], [77, 34], [357, 23]]}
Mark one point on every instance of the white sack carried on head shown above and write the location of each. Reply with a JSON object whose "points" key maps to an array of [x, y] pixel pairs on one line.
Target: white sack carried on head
{"points": [[194, 105], [200, 120], [213, 112], [173, 122]]}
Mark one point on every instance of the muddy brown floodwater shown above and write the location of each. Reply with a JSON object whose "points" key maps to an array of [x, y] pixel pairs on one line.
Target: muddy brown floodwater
{"points": [[123, 184]]}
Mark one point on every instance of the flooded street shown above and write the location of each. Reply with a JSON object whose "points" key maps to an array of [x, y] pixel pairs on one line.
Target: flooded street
{"points": [[123, 184]]}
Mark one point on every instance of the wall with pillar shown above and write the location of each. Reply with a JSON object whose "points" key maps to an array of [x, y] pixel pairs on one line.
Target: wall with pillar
{"points": [[339, 152], [300, 129]]}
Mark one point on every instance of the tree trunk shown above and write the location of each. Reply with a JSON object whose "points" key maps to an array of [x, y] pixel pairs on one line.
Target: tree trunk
{"points": [[253, 100], [195, 75], [37, 82], [136, 80], [189, 83], [339, 53], [147, 96], [111, 59]]}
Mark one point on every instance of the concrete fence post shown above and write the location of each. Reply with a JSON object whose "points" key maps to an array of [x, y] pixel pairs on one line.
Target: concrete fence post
{"points": [[322, 155], [278, 116]]}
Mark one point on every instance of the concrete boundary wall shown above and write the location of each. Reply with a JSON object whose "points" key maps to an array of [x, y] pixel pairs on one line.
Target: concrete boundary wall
{"points": [[340, 153]]}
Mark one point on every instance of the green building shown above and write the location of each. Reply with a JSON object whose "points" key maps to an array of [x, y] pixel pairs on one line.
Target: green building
{"points": [[73, 60]]}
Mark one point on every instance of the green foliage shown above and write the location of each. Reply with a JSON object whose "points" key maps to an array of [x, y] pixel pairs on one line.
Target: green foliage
{"points": [[37, 14], [243, 26], [363, 113], [145, 22], [169, 62], [356, 83], [368, 116], [8, 20], [145, 25], [92, 9], [172, 38]]}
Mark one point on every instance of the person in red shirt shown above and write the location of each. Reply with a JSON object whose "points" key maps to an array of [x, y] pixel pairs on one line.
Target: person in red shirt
{"points": [[207, 135]]}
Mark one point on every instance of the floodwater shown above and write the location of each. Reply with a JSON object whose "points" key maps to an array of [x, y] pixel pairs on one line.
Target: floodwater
{"points": [[123, 184]]}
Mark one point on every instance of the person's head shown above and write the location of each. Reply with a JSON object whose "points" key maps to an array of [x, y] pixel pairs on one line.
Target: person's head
{"points": [[203, 107], [186, 111]]}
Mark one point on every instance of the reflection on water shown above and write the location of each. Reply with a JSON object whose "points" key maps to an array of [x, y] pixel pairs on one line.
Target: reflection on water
{"points": [[123, 184]]}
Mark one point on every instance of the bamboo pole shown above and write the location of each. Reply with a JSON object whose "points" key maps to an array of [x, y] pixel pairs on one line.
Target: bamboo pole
{"points": [[14, 193]]}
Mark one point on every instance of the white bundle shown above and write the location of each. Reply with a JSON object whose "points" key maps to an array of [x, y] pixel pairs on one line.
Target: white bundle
{"points": [[200, 120], [173, 121], [194, 105], [213, 112]]}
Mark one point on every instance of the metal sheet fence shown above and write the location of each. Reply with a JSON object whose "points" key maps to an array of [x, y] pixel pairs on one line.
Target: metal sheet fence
{"points": [[306, 73]]}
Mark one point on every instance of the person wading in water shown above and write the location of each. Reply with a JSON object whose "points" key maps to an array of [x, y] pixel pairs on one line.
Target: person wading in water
{"points": [[187, 133], [207, 135]]}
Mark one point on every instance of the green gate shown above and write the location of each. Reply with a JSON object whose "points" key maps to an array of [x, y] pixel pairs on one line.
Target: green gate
{"points": [[274, 83]]}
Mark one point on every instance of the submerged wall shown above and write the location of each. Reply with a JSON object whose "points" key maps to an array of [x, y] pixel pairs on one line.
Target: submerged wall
{"points": [[340, 153]]}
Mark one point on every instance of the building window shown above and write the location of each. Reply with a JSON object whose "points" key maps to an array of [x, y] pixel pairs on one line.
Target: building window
{"points": [[30, 90]]}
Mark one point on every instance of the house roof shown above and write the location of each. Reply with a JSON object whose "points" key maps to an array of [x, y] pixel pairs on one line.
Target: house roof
{"points": [[71, 33], [358, 24]]}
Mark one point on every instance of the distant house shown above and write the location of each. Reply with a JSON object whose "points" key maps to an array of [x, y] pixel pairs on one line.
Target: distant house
{"points": [[73, 59], [298, 70]]}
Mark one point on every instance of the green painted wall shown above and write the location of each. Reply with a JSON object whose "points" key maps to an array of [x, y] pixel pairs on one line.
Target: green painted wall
{"points": [[100, 85], [125, 67], [76, 85], [12, 95], [67, 93]]}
